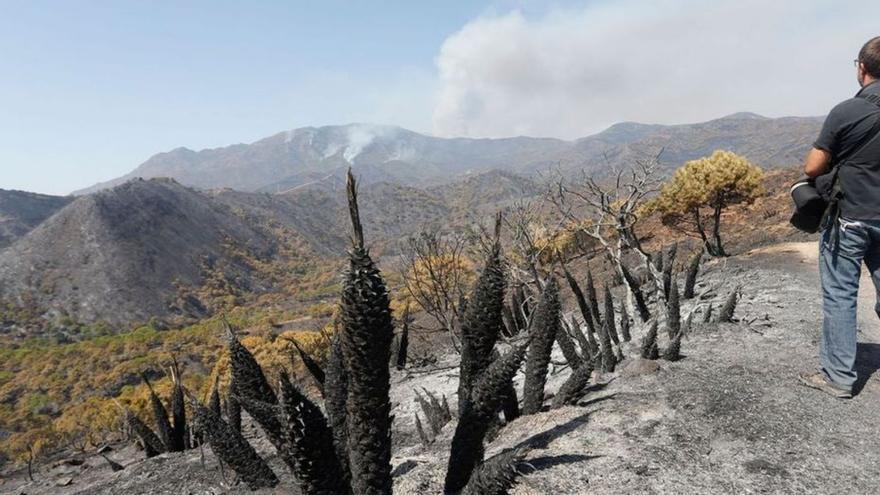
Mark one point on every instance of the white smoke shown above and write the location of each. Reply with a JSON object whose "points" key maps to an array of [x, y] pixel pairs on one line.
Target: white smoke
{"points": [[573, 72]]}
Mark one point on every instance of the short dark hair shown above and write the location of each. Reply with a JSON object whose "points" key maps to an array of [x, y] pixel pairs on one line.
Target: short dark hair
{"points": [[869, 56]]}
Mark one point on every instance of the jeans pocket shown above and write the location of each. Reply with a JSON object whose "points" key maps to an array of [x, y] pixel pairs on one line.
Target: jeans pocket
{"points": [[852, 238]]}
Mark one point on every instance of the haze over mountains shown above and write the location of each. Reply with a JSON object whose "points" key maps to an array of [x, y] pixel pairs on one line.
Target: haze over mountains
{"points": [[392, 154], [132, 249]]}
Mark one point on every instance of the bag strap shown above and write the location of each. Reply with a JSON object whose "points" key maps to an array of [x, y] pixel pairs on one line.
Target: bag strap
{"points": [[869, 138]]}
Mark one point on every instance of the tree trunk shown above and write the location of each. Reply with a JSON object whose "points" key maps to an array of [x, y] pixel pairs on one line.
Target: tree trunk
{"points": [[698, 222], [716, 230]]}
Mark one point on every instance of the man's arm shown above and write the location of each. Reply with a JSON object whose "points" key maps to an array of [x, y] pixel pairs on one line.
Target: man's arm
{"points": [[817, 162]]}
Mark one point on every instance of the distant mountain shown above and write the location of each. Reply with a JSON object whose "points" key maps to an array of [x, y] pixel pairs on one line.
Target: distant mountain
{"points": [[311, 155], [122, 255], [21, 211]]}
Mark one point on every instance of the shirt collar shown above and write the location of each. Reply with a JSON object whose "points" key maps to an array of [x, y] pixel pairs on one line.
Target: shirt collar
{"points": [[873, 88]]}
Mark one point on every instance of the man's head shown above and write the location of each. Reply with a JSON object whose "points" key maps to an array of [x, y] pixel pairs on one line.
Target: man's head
{"points": [[868, 62]]}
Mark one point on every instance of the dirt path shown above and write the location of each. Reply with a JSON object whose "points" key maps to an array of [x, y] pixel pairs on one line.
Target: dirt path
{"points": [[808, 255]]}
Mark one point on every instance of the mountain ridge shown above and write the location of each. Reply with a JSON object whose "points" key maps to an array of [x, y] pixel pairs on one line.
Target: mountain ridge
{"points": [[289, 159]]}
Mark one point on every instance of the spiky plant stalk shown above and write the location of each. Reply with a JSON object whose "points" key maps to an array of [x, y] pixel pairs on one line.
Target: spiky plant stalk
{"points": [[593, 299], [609, 316], [309, 448], [233, 411], [649, 344], [589, 346], [693, 270], [543, 332], [688, 323], [312, 366], [586, 312], [726, 314], [636, 289], [149, 440], [567, 346], [572, 390], [214, 399], [707, 316], [437, 414], [668, 268], [403, 343], [496, 476], [335, 397], [179, 437], [673, 310], [609, 360], [423, 437], [510, 402], [624, 324], [366, 332], [231, 448], [673, 352], [658, 261], [251, 388], [160, 414], [482, 322], [466, 451]]}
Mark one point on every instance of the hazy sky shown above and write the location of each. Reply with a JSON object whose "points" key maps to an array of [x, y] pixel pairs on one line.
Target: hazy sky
{"points": [[90, 89]]}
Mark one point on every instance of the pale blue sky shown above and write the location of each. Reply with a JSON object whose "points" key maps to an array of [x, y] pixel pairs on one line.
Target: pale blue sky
{"points": [[90, 89]]}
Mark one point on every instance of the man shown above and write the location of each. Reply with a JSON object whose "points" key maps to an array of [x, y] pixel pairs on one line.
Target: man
{"points": [[848, 140]]}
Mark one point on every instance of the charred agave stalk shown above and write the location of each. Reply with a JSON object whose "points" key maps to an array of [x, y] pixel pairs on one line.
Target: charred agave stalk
{"points": [[567, 346], [668, 268], [178, 411], [311, 365], [482, 321], [335, 397], [251, 388], [609, 316], [233, 411], [636, 290], [673, 310], [543, 332], [148, 439], [403, 344], [593, 299], [609, 360], [214, 399], [497, 475], [587, 342], [437, 413], [573, 389], [308, 449], [727, 311], [366, 332], [624, 324], [160, 414], [649, 344], [707, 316], [691, 278], [231, 448], [467, 442], [586, 312], [673, 352]]}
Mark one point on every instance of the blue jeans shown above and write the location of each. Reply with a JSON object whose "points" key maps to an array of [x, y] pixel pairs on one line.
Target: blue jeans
{"points": [[840, 266]]}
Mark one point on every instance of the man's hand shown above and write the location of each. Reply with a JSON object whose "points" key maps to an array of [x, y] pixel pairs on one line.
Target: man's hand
{"points": [[817, 162]]}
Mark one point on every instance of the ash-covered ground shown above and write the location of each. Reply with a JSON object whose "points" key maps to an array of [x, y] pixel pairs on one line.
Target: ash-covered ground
{"points": [[730, 417]]}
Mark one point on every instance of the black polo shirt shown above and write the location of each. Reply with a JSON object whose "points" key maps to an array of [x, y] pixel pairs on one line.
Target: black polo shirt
{"points": [[845, 128]]}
